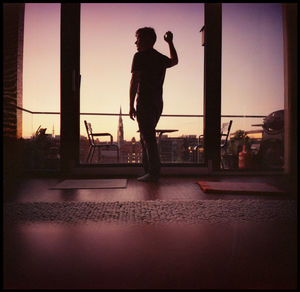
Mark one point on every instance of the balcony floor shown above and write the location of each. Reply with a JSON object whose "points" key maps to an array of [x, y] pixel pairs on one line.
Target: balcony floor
{"points": [[117, 255]]}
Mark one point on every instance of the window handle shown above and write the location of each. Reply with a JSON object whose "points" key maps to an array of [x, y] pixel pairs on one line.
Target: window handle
{"points": [[74, 79]]}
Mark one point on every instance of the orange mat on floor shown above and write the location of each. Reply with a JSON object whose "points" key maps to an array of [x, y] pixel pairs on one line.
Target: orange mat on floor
{"points": [[238, 188]]}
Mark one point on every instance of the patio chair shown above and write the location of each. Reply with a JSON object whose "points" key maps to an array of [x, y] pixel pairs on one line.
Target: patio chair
{"points": [[93, 145], [225, 131]]}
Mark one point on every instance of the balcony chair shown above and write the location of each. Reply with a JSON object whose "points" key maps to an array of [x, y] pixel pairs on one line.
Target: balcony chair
{"points": [[93, 145], [225, 131]]}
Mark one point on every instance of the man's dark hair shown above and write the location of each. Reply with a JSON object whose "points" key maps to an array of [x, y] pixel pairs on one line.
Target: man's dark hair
{"points": [[147, 32]]}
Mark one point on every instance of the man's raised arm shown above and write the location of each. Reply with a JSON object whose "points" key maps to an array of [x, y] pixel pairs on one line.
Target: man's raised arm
{"points": [[168, 37]]}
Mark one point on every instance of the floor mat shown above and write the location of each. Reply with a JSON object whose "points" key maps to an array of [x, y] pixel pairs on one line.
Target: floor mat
{"points": [[238, 188], [91, 184]]}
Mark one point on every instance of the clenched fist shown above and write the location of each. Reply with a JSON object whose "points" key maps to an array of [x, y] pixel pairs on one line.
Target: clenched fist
{"points": [[168, 37]]}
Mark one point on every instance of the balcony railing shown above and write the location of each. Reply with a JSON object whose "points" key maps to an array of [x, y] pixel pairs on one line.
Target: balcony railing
{"points": [[178, 147], [117, 114]]}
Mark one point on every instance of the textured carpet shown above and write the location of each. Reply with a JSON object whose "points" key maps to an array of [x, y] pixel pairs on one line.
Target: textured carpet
{"points": [[149, 212], [91, 184], [238, 188]]}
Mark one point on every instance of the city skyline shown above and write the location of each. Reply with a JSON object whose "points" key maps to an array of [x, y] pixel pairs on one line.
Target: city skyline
{"points": [[252, 62]]}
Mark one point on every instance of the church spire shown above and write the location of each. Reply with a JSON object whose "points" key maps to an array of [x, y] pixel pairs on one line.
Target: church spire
{"points": [[120, 135]]}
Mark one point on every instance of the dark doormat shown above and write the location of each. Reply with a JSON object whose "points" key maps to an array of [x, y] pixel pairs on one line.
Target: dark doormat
{"points": [[238, 188], [91, 184]]}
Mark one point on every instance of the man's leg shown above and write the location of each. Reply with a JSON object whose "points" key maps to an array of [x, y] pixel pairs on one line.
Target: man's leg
{"points": [[145, 159], [149, 138], [147, 120]]}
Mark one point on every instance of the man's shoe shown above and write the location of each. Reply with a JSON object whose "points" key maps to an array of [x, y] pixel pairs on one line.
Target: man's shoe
{"points": [[148, 178]]}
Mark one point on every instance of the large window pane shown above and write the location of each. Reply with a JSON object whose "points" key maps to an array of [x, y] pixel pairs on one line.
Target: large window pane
{"points": [[107, 49], [41, 85], [252, 71]]}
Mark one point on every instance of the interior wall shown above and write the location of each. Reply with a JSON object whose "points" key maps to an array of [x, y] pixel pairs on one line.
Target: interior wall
{"points": [[13, 35], [290, 35]]}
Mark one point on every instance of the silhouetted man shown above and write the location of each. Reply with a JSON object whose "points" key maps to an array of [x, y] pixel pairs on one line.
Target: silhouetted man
{"points": [[148, 74]]}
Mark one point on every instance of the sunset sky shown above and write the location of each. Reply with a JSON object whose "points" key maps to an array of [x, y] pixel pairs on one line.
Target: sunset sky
{"points": [[252, 63]]}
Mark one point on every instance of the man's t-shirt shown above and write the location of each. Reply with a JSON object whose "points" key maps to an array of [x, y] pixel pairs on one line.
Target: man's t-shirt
{"points": [[152, 66]]}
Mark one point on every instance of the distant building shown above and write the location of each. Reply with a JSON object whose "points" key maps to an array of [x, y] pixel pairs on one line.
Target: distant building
{"points": [[131, 152], [177, 149], [172, 149]]}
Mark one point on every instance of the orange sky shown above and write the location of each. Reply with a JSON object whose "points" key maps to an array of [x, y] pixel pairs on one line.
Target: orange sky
{"points": [[252, 62]]}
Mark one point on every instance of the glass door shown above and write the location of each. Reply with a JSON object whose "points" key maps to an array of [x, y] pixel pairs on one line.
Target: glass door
{"points": [[253, 84], [107, 49], [41, 86]]}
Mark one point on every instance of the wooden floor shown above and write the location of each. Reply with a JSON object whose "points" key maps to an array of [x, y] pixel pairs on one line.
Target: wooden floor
{"points": [[98, 255], [168, 188]]}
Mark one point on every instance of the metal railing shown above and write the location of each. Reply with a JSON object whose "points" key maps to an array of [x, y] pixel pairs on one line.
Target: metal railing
{"points": [[118, 114], [164, 154]]}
